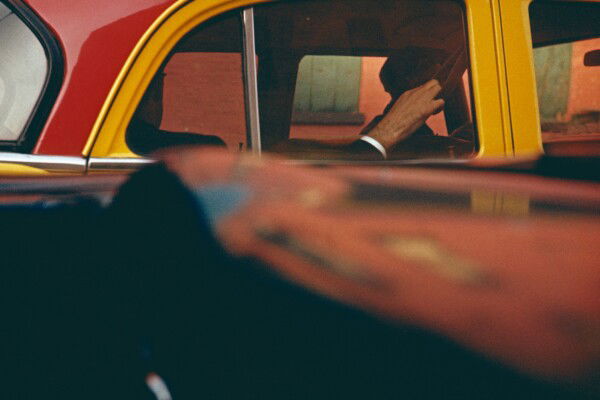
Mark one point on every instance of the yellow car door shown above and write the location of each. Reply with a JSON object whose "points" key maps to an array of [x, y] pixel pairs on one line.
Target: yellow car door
{"points": [[245, 123]]}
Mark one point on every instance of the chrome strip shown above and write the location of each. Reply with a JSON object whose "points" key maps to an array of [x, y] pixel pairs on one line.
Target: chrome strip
{"points": [[46, 162], [251, 80], [117, 163]]}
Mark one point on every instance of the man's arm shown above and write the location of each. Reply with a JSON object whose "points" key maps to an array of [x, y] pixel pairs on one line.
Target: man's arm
{"points": [[408, 113], [405, 116]]}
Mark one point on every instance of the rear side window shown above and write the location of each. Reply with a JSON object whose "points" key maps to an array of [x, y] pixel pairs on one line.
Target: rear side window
{"points": [[23, 72], [566, 41]]}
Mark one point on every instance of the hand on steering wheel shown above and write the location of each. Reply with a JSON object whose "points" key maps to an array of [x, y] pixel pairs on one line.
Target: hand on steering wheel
{"points": [[408, 113]]}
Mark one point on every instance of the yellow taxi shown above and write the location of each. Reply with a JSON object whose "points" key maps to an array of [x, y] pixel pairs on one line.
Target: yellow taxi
{"points": [[305, 79]]}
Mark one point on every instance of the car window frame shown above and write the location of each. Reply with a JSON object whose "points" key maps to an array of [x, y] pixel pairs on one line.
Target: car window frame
{"points": [[523, 118], [107, 139]]}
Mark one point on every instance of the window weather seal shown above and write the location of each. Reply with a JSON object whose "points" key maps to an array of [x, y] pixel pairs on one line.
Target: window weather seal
{"points": [[52, 85]]}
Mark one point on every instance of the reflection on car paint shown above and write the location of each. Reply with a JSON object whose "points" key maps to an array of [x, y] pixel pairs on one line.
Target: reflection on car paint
{"points": [[322, 259], [429, 254]]}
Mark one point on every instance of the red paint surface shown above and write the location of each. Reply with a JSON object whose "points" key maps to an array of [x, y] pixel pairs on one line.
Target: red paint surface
{"points": [[96, 37], [518, 287]]}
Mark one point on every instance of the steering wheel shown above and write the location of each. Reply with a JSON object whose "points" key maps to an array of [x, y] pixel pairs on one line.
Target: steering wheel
{"points": [[450, 74]]}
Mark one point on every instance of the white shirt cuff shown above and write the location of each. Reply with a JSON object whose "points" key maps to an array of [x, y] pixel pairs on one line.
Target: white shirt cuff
{"points": [[376, 144]]}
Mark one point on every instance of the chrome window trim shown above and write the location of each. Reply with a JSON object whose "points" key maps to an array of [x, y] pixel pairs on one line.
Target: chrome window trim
{"points": [[251, 82], [116, 164], [46, 162]]}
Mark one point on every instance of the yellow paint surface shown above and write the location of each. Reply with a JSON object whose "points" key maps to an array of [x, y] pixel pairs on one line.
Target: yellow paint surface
{"points": [[9, 169]]}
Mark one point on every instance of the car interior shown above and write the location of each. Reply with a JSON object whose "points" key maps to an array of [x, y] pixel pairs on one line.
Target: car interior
{"points": [[333, 35], [355, 29]]}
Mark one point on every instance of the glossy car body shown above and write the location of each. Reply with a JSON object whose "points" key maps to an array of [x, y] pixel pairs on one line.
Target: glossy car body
{"points": [[108, 62], [234, 277]]}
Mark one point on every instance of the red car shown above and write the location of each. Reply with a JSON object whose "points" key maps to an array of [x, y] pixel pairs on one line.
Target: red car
{"points": [[224, 276]]}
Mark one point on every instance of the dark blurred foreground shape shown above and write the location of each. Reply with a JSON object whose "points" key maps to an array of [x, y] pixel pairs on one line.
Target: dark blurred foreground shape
{"points": [[94, 298]]}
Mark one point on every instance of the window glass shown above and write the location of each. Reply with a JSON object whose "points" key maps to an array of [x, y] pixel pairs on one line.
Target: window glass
{"points": [[329, 71], [197, 97], [564, 36], [23, 71], [327, 90]]}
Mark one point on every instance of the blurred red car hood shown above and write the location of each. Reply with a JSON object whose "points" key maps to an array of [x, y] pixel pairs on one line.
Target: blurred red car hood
{"points": [[504, 263]]}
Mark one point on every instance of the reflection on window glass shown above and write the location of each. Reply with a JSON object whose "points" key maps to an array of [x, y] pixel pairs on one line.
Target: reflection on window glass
{"points": [[23, 70], [568, 90], [330, 72], [197, 97]]}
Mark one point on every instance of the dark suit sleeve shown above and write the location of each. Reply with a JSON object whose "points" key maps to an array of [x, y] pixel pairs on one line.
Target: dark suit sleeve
{"points": [[362, 150], [143, 138]]}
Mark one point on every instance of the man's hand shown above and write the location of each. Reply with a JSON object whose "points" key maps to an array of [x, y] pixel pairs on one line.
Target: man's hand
{"points": [[408, 113]]}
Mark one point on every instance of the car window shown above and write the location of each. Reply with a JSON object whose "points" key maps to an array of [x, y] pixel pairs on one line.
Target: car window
{"points": [[23, 73], [197, 96], [568, 87], [327, 71]]}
